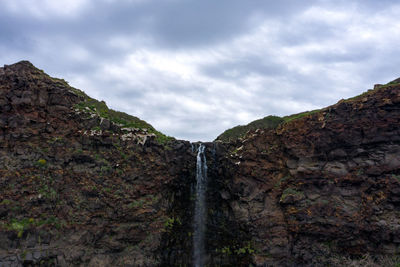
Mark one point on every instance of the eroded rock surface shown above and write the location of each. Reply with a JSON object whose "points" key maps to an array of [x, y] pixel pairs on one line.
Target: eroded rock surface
{"points": [[76, 188], [79, 187], [322, 185]]}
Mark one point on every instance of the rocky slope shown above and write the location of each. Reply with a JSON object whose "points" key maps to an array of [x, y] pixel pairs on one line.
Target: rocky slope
{"points": [[83, 185], [76, 187]]}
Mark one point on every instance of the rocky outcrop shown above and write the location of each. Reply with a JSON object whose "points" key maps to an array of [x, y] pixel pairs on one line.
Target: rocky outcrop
{"points": [[77, 188], [83, 185], [324, 185]]}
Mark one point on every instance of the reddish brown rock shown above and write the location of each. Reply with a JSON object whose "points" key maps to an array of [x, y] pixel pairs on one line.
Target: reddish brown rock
{"points": [[335, 177], [77, 188]]}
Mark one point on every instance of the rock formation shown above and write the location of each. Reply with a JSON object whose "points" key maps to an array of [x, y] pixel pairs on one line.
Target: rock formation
{"points": [[83, 185], [324, 185]]}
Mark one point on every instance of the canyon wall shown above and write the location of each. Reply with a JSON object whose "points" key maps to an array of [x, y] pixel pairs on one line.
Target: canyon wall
{"points": [[322, 186], [82, 185]]}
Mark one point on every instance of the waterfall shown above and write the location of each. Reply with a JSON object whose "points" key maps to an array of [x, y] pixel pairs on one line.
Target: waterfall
{"points": [[200, 214]]}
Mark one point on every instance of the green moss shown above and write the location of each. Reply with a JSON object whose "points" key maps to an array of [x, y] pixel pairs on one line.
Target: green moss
{"points": [[281, 181], [235, 250], [290, 192], [136, 204], [20, 225], [248, 249], [41, 162], [5, 202], [170, 222]]}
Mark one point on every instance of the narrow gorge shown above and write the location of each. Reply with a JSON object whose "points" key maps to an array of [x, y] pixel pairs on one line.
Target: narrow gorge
{"points": [[84, 185]]}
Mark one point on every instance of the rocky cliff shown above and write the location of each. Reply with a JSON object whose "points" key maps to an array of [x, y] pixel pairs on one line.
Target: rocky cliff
{"points": [[321, 186], [80, 184], [83, 185]]}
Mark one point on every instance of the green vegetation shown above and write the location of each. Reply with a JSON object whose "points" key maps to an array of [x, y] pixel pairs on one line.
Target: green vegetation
{"points": [[244, 250], [247, 249], [46, 187], [299, 115], [281, 181], [170, 222], [124, 120], [19, 226], [136, 204], [272, 122], [269, 122], [371, 91], [290, 192], [41, 162], [5, 202]]}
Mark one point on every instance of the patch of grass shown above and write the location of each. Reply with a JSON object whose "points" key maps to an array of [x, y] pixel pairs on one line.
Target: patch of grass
{"points": [[226, 250], [136, 204], [123, 119], [269, 122], [299, 115], [21, 225], [371, 91], [170, 222], [5, 202]]}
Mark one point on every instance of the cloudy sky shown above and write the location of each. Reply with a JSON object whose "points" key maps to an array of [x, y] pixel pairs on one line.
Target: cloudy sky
{"points": [[193, 68]]}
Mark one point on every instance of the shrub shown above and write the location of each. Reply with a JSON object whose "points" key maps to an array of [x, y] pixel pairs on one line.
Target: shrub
{"points": [[41, 162]]}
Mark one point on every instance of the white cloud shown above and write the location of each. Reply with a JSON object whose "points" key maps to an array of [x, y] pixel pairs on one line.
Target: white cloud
{"points": [[174, 80], [43, 9], [282, 65]]}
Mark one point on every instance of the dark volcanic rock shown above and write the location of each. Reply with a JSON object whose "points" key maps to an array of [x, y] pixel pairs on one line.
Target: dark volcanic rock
{"points": [[79, 188], [76, 188], [323, 185]]}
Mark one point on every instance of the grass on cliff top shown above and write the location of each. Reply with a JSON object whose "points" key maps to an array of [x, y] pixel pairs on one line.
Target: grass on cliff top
{"points": [[372, 91], [269, 122], [121, 118], [272, 122], [299, 115]]}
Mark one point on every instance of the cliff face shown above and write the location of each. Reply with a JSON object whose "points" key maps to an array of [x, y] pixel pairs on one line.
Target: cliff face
{"points": [[324, 185], [84, 185], [78, 188]]}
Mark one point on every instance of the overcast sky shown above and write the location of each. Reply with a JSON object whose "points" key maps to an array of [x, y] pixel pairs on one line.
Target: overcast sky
{"points": [[193, 68]]}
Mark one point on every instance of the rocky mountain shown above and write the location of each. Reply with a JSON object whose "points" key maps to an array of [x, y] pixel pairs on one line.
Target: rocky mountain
{"points": [[83, 185], [80, 184]]}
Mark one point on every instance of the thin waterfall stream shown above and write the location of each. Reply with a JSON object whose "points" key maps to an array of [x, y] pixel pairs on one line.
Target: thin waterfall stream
{"points": [[199, 221]]}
